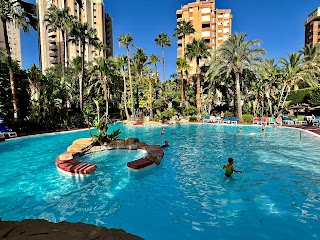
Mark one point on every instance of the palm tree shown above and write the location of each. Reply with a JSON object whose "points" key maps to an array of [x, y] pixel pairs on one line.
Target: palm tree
{"points": [[234, 56], [34, 77], [12, 13], [60, 19], [106, 68], [293, 72], [183, 66], [84, 35], [164, 41], [154, 59], [125, 40], [150, 80], [183, 29], [121, 64], [198, 50]]}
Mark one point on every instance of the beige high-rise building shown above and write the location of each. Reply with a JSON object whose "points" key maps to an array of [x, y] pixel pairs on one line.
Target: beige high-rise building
{"points": [[14, 41], [312, 27], [211, 24], [50, 42]]}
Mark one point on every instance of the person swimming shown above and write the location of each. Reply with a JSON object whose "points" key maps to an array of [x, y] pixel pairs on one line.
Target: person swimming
{"points": [[162, 131], [166, 144]]}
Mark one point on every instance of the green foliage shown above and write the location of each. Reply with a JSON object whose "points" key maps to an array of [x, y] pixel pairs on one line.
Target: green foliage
{"points": [[193, 119], [93, 119], [190, 110], [247, 118], [301, 95], [314, 98], [169, 113]]}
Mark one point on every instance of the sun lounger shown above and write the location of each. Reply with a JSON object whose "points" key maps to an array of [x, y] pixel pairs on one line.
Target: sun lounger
{"points": [[272, 121], [206, 119], [256, 120], [212, 119], [263, 120], [279, 120], [226, 120], [7, 132], [234, 120], [288, 121], [300, 121], [218, 119]]}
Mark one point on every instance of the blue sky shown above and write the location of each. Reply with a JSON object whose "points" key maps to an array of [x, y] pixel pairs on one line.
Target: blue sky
{"points": [[278, 23]]}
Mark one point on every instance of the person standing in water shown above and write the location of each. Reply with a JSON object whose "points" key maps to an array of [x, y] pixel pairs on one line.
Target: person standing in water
{"points": [[162, 131], [229, 168]]}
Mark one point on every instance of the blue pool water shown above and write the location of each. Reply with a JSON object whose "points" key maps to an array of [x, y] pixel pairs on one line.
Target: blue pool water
{"points": [[187, 196]]}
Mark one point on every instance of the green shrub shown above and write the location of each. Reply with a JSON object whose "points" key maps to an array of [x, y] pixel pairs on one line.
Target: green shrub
{"points": [[193, 119], [247, 117], [190, 110], [301, 95]]}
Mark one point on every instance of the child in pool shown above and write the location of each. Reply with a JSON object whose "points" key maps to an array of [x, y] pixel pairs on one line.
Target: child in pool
{"points": [[229, 168]]}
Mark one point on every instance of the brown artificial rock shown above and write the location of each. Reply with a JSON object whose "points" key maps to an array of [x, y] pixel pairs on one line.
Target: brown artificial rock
{"points": [[44, 230]]}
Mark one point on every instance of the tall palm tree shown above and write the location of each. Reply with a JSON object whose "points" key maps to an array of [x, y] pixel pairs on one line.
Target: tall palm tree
{"points": [[198, 50], [150, 80], [84, 35], [121, 64], [60, 19], [154, 59], [183, 29], [234, 56], [106, 68], [12, 13], [182, 66], [140, 59], [164, 41], [34, 77], [126, 40], [293, 72]]}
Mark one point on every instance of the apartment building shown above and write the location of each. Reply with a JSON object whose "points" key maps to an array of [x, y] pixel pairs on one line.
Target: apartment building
{"points": [[14, 41], [211, 24], [312, 26], [51, 43]]}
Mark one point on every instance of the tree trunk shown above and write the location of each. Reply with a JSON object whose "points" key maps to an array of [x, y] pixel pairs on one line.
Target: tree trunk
{"points": [[105, 97], [286, 96], [198, 87], [130, 80], [163, 70], [13, 89], [63, 54], [239, 97], [182, 92], [82, 74], [150, 99], [125, 96]]}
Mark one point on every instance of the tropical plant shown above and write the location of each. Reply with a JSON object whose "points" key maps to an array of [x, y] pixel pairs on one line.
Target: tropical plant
{"points": [[126, 40], [198, 50], [84, 35], [154, 59], [60, 19], [293, 72], [93, 119], [121, 64], [12, 13], [233, 57], [164, 41], [182, 66], [183, 29]]}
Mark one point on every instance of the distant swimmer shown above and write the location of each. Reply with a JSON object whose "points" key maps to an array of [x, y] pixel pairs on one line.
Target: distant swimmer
{"points": [[229, 168], [162, 131], [166, 144]]}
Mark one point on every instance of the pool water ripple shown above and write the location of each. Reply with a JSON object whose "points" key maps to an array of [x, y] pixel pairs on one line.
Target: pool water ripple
{"points": [[186, 196]]}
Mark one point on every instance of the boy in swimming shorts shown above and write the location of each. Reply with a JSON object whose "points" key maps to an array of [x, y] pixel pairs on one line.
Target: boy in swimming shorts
{"points": [[229, 168]]}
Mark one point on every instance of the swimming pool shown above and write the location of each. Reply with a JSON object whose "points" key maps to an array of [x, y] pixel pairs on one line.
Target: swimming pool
{"points": [[187, 196]]}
